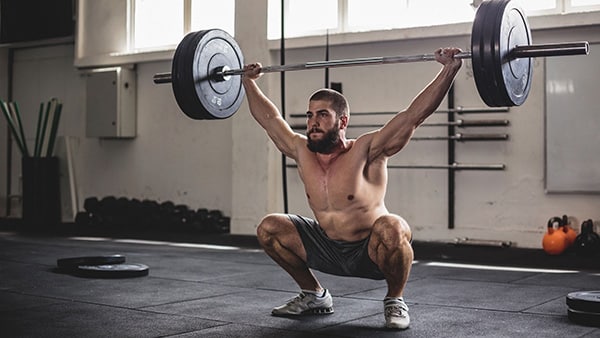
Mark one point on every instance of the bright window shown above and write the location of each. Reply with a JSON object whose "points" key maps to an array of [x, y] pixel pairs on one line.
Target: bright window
{"points": [[157, 23], [367, 15], [363, 15], [575, 3], [531, 6], [161, 23], [207, 14], [304, 18]]}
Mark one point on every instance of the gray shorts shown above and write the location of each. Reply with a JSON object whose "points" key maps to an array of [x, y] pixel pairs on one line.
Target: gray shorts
{"points": [[335, 257]]}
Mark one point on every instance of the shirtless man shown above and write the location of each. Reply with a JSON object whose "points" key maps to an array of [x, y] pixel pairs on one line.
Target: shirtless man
{"points": [[353, 233]]}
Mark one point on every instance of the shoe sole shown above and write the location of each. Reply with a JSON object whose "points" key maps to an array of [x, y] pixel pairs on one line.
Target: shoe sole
{"points": [[396, 327], [309, 312]]}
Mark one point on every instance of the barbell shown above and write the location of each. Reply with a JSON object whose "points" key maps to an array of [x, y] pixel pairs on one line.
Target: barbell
{"points": [[206, 67]]}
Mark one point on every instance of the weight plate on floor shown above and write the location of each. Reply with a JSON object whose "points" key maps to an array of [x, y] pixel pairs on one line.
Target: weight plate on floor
{"points": [[113, 271], [586, 301], [584, 318], [498, 27], [74, 262], [199, 93]]}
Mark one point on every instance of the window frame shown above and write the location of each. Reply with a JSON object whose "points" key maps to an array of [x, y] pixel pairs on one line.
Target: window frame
{"points": [[562, 7], [93, 50]]}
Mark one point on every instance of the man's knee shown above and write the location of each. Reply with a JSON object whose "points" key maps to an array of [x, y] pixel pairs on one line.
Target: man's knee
{"points": [[390, 246], [391, 229], [267, 227], [272, 227]]}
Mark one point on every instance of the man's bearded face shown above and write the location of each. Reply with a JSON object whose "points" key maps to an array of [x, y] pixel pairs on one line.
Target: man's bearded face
{"points": [[327, 143]]}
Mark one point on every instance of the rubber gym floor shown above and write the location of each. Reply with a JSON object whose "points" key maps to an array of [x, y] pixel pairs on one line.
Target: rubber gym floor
{"points": [[225, 286]]}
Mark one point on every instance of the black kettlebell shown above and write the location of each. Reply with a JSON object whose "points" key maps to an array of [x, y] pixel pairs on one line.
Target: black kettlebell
{"points": [[587, 242]]}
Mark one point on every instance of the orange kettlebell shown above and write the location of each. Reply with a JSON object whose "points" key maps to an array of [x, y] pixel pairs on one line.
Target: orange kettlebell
{"points": [[555, 240], [568, 230]]}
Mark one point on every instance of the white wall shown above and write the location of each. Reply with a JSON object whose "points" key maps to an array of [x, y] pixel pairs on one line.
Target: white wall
{"points": [[231, 165], [172, 157]]}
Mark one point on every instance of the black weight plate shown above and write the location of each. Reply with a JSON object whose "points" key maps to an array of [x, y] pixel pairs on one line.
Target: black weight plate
{"points": [[113, 271], [514, 75], [586, 301], [199, 94], [181, 76], [498, 27], [495, 43], [220, 98], [74, 262], [481, 32], [491, 52], [584, 318]]}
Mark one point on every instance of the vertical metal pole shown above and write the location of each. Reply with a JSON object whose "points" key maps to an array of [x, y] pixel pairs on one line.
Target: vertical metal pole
{"points": [[282, 57], [451, 158], [327, 59], [9, 140]]}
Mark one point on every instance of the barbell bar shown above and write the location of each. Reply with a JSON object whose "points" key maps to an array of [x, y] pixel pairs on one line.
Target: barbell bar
{"points": [[207, 64], [550, 49]]}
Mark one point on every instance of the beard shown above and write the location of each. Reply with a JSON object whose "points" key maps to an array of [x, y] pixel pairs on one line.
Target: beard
{"points": [[327, 144]]}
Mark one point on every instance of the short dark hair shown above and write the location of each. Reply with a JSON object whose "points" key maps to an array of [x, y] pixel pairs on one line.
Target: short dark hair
{"points": [[337, 100]]}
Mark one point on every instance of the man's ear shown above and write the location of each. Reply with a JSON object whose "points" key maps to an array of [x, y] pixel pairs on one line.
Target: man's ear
{"points": [[343, 121]]}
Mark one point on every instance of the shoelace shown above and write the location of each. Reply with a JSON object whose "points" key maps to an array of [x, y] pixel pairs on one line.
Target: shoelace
{"points": [[395, 310], [296, 299]]}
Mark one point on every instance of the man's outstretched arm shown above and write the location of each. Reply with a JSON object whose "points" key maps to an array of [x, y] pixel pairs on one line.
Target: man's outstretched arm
{"points": [[266, 113], [396, 133]]}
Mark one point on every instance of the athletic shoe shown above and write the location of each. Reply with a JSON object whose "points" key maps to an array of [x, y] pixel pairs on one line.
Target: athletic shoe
{"points": [[306, 304], [396, 313]]}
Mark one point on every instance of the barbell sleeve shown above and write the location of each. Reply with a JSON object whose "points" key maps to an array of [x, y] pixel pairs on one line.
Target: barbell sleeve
{"points": [[550, 49], [162, 78]]}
